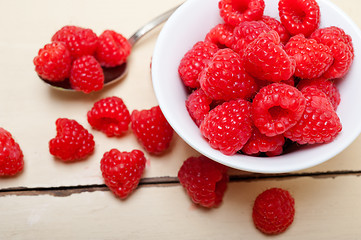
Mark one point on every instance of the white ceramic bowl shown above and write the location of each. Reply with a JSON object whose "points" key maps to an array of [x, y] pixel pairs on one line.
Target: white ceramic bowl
{"points": [[189, 24]]}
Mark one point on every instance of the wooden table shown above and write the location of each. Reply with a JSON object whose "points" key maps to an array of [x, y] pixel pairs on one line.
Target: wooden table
{"points": [[53, 200]]}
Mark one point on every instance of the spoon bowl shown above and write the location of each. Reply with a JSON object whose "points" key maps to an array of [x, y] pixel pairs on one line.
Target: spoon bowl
{"points": [[115, 74]]}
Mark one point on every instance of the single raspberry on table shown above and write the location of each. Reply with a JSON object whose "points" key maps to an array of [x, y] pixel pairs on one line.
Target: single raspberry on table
{"points": [[224, 77], [198, 105], [152, 129], [228, 126], [113, 49], [234, 12], [86, 75], [326, 86], [122, 171], [312, 59], [194, 61], [11, 155], [319, 122], [266, 59], [53, 62], [109, 115], [299, 16], [80, 41], [221, 35], [277, 26], [341, 47], [276, 108], [273, 211], [245, 33], [260, 143], [72, 142], [204, 180]]}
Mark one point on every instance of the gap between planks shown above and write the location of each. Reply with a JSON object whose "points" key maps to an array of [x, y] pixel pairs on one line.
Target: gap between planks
{"points": [[64, 191]]}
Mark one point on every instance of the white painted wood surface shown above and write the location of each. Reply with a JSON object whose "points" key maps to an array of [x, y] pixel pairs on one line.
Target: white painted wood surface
{"points": [[53, 206]]}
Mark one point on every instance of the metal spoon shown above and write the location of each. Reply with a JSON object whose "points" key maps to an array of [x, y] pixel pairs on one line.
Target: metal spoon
{"points": [[114, 74]]}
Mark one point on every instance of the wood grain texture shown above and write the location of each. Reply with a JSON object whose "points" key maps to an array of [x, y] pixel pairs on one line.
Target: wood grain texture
{"points": [[326, 208]]}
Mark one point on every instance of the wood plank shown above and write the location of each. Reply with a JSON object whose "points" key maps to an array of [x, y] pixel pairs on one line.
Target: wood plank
{"points": [[326, 208], [29, 109]]}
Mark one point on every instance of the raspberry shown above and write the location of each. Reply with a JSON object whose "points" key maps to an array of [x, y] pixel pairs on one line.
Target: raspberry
{"points": [[228, 126], [341, 47], [110, 115], [260, 143], [204, 180], [312, 59], [86, 75], [245, 33], [326, 86], [276, 108], [273, 211], [53, 62], [319, 123], [221, 35], [11, 156], [224, 77], [152, 129], [234, 12], [198, 105], [113, 49], [265, 58], [277, 26], [72, 141], [122, 171], [194, 61], [80, 41], [299, 16]]}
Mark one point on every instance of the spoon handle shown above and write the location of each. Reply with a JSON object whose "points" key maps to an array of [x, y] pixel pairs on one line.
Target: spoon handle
{"points": [[151, 25]]}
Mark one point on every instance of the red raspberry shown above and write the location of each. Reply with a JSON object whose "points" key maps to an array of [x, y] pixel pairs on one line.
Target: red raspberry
{"points": [[260, 143], [53, 62], [80, 41], [224, 77], [273, 211], [198, 105], [319, 123], [236, 11], [246, 32], [86, 75], [72, 141], [326, 86], [266, 59], [312, 59], [194, 61], [276, 108], [204, 180], [11, 156], [122, 171], [221, 35], [277, 26], [228, 126], [110, 115], [299, 16], [113, 49], [152, 129], [341, 47]]}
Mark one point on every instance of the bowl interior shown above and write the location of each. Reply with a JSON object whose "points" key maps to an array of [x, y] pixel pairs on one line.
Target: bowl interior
{"points": [[189, 24]]}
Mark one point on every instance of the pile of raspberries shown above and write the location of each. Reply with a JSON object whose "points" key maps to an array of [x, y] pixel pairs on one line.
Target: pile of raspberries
{"points": [[77, 55], [258, 84]]}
